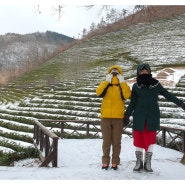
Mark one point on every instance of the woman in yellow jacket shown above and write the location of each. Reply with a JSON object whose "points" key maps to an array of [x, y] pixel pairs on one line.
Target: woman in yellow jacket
{"points": [[114, 90]]}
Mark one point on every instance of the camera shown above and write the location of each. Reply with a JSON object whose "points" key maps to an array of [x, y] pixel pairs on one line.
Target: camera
{"points": [[114, 72]]}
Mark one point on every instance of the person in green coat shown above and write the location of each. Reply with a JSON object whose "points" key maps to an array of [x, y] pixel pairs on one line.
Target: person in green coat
{"points": [[144, 108]]}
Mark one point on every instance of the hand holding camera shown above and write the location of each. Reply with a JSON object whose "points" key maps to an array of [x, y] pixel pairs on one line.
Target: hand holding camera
{"points": [[109, 78], [121, 78]]}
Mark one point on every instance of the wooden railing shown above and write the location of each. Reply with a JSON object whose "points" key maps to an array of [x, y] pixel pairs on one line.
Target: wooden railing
{"points": [[91, 129], [82, 124], [46, 143], [172, 138]]}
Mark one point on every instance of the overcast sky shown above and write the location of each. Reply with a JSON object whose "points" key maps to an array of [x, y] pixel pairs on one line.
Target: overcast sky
{"points": [[20, 16]]}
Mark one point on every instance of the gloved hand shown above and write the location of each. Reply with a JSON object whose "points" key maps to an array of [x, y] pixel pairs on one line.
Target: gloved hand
{"points": [[121, 78], [126, 120], [183, 106], [109, 78]]}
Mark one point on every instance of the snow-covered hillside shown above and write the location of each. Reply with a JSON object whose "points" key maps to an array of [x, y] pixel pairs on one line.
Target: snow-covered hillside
{"points": [[64, 87]]}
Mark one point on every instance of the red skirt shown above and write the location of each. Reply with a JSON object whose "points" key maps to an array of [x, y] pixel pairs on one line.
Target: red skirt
{"points": [[143, 139]]}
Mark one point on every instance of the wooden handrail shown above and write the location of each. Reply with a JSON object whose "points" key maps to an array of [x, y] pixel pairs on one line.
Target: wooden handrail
{"points": [[180, 133], [42, 137], [41, 140], [163, 129], [82, 122]]}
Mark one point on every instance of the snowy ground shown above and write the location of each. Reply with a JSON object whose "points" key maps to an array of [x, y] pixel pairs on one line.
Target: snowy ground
{"points": [[80, 159]]}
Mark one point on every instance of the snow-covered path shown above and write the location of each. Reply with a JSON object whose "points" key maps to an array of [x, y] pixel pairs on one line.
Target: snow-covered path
{"points": [[80, 159]]}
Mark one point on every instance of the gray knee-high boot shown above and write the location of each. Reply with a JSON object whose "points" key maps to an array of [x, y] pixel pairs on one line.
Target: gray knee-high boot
{"points": [[139, 162], [147, 162]]}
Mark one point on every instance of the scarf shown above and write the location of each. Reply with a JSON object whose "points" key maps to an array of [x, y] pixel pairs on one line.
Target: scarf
{"points": [[147, 80]]}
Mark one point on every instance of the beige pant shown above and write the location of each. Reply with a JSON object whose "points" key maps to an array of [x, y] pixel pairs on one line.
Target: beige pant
{"points": [[111, 129]]}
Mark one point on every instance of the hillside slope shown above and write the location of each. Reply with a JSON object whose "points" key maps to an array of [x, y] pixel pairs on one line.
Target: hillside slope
{"points": [[22, 53], [64, 87]]}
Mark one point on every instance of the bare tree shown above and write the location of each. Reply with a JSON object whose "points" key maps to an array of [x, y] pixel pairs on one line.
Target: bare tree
{"points": [[84, 32], [59, 9]]}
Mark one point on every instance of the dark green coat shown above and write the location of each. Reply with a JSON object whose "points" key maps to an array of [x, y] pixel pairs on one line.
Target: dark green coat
{"points": [[144, 105]]}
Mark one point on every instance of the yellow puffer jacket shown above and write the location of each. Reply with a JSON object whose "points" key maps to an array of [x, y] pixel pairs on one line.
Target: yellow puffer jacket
{"points": [[112, 103]]}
